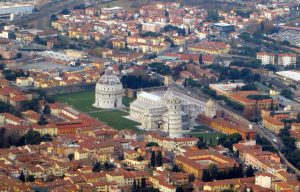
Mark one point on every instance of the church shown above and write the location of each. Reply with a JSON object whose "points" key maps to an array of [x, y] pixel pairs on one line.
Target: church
{"points": [[169, 111], [109, 91]]}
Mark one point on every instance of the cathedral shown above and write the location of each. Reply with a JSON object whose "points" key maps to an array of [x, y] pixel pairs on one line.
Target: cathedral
{"points": [[169, 111], [109, 91]]}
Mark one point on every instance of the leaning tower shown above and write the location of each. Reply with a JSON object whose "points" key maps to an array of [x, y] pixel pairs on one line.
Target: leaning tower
{"points": [[173, 118]]}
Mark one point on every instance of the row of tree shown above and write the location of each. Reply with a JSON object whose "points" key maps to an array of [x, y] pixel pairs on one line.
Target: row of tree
{"points": [[8, 138], [213, 94], [156, 159], [136, 82], [106, 166], [213, 173]]}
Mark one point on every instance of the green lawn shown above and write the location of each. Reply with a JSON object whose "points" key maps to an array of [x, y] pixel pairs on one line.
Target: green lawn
{"points": [[116, 119], [127, 100], [126, 4], [83, 102], [208, 136], [201, 128]]}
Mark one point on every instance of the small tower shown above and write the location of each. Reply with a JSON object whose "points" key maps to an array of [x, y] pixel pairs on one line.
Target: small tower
{"points": [[168, 80], [210, 109], [173, 118]]}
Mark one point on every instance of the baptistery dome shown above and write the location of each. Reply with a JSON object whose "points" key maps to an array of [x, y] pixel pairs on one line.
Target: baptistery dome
{"points": [[109, 91]]}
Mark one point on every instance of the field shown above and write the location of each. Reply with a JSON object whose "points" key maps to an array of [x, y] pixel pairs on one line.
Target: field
{"points": [[201, 128], [116, 119], [209, 137], [132, 5], [83, 102], [206, 133]]}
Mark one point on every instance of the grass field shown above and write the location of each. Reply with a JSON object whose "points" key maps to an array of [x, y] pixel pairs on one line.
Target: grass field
{"points": [[208, 136], [116, 119], [83, 102], [201, 128], [132, 5]]}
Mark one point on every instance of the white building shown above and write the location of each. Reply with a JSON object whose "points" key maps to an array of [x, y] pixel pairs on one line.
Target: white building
{"points": [[293, 76], [287, 59], [11, 9], [109, 91], [264, 180], [266, 58], [169, 111], [210, 109]]}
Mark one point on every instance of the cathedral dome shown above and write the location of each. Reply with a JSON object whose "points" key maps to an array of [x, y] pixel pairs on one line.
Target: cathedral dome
{"points": [[109, 91], [109, 78]]}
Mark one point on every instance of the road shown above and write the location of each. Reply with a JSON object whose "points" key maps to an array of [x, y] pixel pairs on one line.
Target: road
{"points": [[276, 146]]}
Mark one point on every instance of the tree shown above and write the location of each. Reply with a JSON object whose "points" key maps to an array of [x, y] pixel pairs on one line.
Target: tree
{"points": [[286, 93], [161, 68], [65, 11], [81, 6], [158, 159], [249, 171], [42, 120], [206, 176], [22, 176], [298, 117], [134, 186], [31, 137], [139, 81], [47, 110], [213, 16], [46, 137], [152, 162], [97, 167], [143, 183], [213, 170], [30, 178], [191, 178], [249, 87], [179, 189], [175, 168], [270, 67], [151, 144], [140, 158], [53, 18], [201, 144], [108, 166], [71, 156]]}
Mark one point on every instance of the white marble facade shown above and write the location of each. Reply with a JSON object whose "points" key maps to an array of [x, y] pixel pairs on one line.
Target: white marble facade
{"points": [[168, 111], [109, 91]]}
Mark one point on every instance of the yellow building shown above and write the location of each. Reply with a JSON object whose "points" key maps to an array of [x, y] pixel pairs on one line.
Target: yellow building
{"points": [[118, 44], [273, 124], [46, 129], [24, 81], [138, 165], [81, 154], [195, 161], [214, 48], [178, 40], [233, 184]]}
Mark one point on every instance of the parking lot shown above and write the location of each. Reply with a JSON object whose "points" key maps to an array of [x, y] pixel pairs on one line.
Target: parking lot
{"points": [[291, 36]]}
